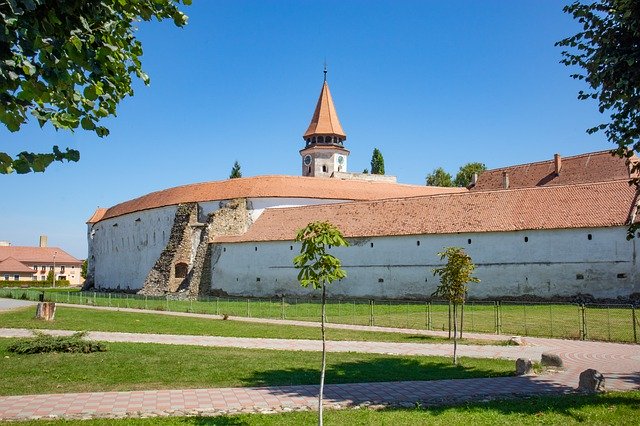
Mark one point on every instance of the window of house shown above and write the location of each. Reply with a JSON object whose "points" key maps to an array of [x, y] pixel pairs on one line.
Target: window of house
{"points": [[16, 277], [62, 269], [34, 278], [324, 169], [42, 278], [6, 277], [50, 268], [35, 267]]}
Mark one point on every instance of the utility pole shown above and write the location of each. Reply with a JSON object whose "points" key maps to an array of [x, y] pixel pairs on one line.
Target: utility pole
{"points": [[54, 268]]}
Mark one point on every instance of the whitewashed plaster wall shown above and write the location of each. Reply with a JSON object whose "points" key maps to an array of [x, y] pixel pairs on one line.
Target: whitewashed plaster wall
{"points": [[545, 263], [123, 255], [125, 248]]}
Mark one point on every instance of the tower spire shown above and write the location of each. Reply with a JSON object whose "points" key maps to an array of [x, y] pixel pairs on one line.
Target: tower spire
{"points": [[325, 70]]}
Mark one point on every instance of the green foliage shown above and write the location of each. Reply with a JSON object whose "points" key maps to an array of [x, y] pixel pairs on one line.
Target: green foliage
{"points": [[317, 267], [37, 284], [69, 63], [465, 174], [608, 52], [235, 171], [377, 162], [43, 343], [455, 275], [439, 178], [83, 269], [365, 171]]}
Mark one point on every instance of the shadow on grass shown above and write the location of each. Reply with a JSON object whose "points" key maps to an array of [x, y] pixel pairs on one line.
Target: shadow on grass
{"points": [[380, 369]]}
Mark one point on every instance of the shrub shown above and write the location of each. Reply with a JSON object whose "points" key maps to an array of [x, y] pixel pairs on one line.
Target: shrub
{"points": [[43, 343], [59, 283]]}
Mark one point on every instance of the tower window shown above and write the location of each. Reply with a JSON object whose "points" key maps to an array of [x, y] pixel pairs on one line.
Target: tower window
{"points": [[324, 169]]}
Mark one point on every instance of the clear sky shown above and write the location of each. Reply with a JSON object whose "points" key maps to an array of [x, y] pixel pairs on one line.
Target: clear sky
{"points": [[429, 83]]}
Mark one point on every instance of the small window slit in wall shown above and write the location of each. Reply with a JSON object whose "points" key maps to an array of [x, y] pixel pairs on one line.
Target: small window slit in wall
{"points": [[526, 239], [290, 247], [418, 242], [380, 280], [256, 248], [589, 237], [469, 241], [371, 244], [138, 220], [224, 249], [258, 279], [579, 277], [622, 275]]}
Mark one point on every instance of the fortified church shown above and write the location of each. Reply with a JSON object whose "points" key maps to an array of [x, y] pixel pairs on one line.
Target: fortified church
{"points": [[551, 228]]}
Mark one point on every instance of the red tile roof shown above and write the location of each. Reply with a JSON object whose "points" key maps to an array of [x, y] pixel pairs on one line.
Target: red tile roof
{"points": [[325, 118], [591, 167], [11, 265], [97, 215], [557, 207], [37, 254], [273, 187]]}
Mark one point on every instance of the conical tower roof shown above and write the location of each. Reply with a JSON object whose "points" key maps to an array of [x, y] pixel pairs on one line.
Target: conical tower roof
{"points": [[325, 118]]}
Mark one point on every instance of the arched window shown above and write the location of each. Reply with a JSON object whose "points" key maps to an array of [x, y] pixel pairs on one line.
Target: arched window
{"points": [[181, 270], [324, 169]]}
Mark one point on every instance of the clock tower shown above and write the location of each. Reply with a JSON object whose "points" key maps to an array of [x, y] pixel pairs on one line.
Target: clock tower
{"points": [[324, 152]]}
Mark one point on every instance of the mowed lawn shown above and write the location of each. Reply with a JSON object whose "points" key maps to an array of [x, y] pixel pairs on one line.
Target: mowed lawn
{"points": [[135, 366], [83, 319], [614, 408]]}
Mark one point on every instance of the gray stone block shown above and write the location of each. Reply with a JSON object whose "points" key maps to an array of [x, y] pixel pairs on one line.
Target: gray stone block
{"points": [[523, 367], [591, 381], [551, 360]]}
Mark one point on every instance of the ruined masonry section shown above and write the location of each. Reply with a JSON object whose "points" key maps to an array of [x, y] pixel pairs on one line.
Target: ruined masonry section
{"points": [[184, 267], [162, 277]]}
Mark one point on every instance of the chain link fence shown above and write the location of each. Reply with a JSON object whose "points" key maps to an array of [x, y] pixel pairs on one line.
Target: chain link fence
{"points": [[607, 322]]}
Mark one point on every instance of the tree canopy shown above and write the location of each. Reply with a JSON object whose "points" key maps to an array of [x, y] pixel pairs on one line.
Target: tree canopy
{"points": [[465, 174], [377, 162], [439, 177], [608, 52], [69, 63], [235, 171]]}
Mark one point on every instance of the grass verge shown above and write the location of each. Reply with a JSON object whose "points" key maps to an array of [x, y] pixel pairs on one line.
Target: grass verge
{"points": [[96, 320], [135, 366], [615, 408]]}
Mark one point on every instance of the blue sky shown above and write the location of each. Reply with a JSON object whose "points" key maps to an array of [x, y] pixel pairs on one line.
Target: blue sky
{"points": [[428, 83]]}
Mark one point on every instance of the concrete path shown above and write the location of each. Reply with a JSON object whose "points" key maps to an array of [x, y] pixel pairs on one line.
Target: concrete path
{"points": [[10, 304], [619, 362]]}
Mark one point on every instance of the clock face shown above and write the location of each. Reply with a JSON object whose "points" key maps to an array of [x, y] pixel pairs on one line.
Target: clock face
{"points": [[340, 159], [307, 160]]}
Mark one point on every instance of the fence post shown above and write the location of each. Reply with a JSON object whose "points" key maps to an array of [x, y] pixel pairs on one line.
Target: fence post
{"points": [[370, 312], [217, 306], [634, 319], [282, 316], [248, 313], [428, 308], [495, 314]]}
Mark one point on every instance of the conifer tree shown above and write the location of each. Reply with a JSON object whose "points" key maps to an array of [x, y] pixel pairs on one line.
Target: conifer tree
{"points": [[235, 171], [377, 162]]}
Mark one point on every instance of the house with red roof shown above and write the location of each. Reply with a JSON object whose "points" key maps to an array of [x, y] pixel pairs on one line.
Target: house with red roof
{"points": [[25, 263]]}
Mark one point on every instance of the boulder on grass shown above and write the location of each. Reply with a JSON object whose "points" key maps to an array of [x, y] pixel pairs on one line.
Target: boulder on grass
{"points": [[551, 360], [591, 381], [524, 367]]}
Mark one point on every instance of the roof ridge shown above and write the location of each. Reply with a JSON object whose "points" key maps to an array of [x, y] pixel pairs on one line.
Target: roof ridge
{"points": [[457, 193], [586, 154]]}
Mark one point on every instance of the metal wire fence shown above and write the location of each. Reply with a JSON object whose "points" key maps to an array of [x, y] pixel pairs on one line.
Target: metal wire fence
{"points": [[607, 322]]}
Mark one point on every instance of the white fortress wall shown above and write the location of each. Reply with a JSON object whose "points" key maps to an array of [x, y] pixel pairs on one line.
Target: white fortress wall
{"points": [[126, 247], [258, 205], [548, 263]]}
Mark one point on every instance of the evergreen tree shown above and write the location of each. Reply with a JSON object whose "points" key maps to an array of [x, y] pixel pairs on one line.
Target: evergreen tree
{"points": [[235, 171], [377, 162]]}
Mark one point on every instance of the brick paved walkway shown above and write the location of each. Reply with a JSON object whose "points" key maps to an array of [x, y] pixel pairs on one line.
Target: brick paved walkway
{"points": [[619, 362]]}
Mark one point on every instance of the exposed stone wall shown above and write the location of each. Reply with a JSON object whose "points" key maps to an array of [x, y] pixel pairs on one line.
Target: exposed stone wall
{"points": [[161, 279]]}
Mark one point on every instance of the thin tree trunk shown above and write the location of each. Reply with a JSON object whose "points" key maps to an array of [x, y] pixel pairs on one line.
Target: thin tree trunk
{"points": [[461, 319], [324, 356], [455, 335]]}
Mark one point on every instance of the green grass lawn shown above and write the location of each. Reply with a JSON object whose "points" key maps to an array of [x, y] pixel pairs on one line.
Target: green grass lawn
{"points": [[135, 366], [614, 408], [96, 320], [609, 323]]}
